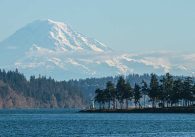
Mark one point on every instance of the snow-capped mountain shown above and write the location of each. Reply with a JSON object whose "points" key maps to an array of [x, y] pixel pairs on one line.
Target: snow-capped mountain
{"points": [[54, 49], [52, 35]]}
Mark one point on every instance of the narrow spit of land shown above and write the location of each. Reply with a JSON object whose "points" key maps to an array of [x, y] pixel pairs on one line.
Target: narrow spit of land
{"points": [[143, 110]]}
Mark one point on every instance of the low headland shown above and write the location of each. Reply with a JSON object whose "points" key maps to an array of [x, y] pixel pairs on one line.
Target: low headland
{"points": [[165, 95], [143, 110]]}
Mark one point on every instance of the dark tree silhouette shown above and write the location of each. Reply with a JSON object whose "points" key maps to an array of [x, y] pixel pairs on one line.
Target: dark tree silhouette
{"points": [[170, 91], [137, 95], [120, 89], [128, 94], [144, 89], [154, 88]]}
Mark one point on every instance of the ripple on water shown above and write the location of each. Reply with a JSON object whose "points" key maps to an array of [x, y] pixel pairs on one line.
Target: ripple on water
{"points": [[54, 123]]}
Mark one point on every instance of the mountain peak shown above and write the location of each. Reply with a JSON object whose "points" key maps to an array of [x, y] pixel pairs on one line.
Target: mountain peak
{"points": [[56, 22], [53, 35], [51, 23], [53, 48]]}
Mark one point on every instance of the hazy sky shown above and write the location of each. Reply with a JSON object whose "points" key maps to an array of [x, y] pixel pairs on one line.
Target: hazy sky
{"points": [[126, 25]]}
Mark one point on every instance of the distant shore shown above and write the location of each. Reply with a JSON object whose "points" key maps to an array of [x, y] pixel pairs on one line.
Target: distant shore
{"points": [[143, 110]]}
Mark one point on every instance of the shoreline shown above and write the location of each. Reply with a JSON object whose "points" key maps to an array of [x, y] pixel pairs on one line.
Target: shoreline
{"points": [[143, 110]]}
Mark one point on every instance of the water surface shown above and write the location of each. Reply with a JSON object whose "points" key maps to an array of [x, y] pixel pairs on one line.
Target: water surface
{"points": [[63, 122]]}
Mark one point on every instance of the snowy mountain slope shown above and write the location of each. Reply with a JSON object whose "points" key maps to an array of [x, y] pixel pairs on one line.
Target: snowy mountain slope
{"points": [[52, 35], [52, 48]]}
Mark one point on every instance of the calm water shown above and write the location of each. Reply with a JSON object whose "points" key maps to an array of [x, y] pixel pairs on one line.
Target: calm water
{"points": [[60, 123]]}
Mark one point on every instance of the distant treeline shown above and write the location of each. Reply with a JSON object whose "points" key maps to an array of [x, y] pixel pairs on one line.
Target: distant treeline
{"points": [[74, 93], [43, 90], [163, 91]]}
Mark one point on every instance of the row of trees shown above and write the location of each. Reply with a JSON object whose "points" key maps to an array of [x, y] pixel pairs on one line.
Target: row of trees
{"points": [[42, 89], [167, 91]]}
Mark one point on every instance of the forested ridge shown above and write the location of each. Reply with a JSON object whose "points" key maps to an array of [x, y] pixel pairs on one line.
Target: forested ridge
{"points": [[41, 92], [44, 92], [18, 91]]}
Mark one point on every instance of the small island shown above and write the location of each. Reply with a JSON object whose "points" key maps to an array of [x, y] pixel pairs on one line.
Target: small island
{"points": [[166, 95]]}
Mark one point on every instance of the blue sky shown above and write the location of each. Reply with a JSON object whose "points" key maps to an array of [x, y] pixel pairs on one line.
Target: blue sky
{"points": [[125, 25]]}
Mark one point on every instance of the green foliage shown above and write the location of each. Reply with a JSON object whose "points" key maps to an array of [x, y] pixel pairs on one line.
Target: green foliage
{"points": [[120, 88], [137, 95], [154, 89], [165, 90], [42, 89]]}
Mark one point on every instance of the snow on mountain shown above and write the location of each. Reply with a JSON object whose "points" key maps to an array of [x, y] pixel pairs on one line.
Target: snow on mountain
{"points": [[52, 48], [52, 35]]}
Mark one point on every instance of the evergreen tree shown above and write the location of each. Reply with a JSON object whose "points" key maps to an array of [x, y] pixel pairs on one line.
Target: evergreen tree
{"points": [[154, 88], [168, 88], [120, 88], [137, 95], [175, 95], [187, 93], [111, 93], [99, 97], [144, 89], [128, 94]]}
